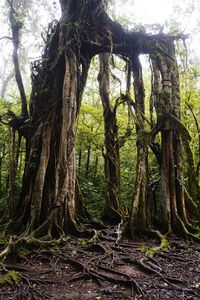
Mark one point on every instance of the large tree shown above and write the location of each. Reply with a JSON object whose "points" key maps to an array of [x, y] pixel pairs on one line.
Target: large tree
{"points": [[111, 155], [47, 206]]}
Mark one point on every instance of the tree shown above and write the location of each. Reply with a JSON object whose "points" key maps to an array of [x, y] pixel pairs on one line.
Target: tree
{"points": [[47, 206], [138, 220], [111, 156], [16, 22]]}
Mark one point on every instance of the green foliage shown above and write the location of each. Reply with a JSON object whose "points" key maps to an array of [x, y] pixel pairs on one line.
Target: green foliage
{"points": [[93, 192], [4, 155], [128, 172]]}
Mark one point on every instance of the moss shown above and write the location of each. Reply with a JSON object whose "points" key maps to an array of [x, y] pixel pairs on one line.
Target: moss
{"points": [[147, 250], [152, 251], [164, 244], [2, 241], [83, 242], [12, 278]]}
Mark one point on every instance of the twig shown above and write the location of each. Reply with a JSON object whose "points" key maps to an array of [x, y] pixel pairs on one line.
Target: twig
{"points": [[6, 37]]}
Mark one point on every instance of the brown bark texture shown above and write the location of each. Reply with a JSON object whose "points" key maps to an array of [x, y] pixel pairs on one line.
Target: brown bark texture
{"points": [[111, 155]]}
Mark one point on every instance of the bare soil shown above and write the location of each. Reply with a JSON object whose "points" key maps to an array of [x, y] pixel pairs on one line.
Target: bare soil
{"points": [[83, 270]]}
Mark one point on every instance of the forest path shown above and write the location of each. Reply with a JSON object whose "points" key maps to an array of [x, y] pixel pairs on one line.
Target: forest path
{"points": [[107, 269]]}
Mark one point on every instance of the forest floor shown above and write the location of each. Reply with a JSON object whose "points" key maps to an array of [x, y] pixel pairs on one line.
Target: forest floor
{"points": [[81, 270]]}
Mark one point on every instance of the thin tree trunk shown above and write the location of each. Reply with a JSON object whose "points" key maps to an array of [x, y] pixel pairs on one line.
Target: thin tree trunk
{"points": [[96, 167], [1, 187], [79, 160], [5, 84], [192, 182], [16, 26], [87, 166], [12, 173]]}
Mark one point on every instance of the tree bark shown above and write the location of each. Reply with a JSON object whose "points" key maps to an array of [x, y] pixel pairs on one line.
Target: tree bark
{"points": [[173, 214], [137, 224], [5, 84], [87, 166], [12, 174], [47, 203], [111, 211]]}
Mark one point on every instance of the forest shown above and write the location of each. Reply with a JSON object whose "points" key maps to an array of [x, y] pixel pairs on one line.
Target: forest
{"points": [[99, 149]]}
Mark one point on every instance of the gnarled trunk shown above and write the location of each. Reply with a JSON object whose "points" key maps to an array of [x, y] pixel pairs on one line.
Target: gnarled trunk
{"points": [[137, 224], [111, 156], [173, 208], [47, 205]]}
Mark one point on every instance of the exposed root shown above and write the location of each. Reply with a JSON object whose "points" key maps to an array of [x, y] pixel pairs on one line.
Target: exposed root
{"points": [[10, 248], [149, 270], [93, 272], [129, 279], [15, 243], [98, 261]]}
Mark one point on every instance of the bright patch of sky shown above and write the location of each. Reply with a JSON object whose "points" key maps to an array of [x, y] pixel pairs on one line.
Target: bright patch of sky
{"points": [[169, 16], [148, 11]]}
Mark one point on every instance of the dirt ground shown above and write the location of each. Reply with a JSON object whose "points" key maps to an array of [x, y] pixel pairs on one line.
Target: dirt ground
{"points": [[106, 269]]}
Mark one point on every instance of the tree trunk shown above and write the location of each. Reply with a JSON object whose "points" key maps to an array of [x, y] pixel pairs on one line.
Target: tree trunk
{"points": [[47, 205], [5, 84], [192, 177], [137, 224], [1, 188], [111, 156], [79, 160], [96, 167], [87, 166], [173, 215], [12, 173], [16, 26]]}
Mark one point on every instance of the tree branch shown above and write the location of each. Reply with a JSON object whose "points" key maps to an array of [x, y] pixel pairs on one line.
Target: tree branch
{"points": [[6, 37]]}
